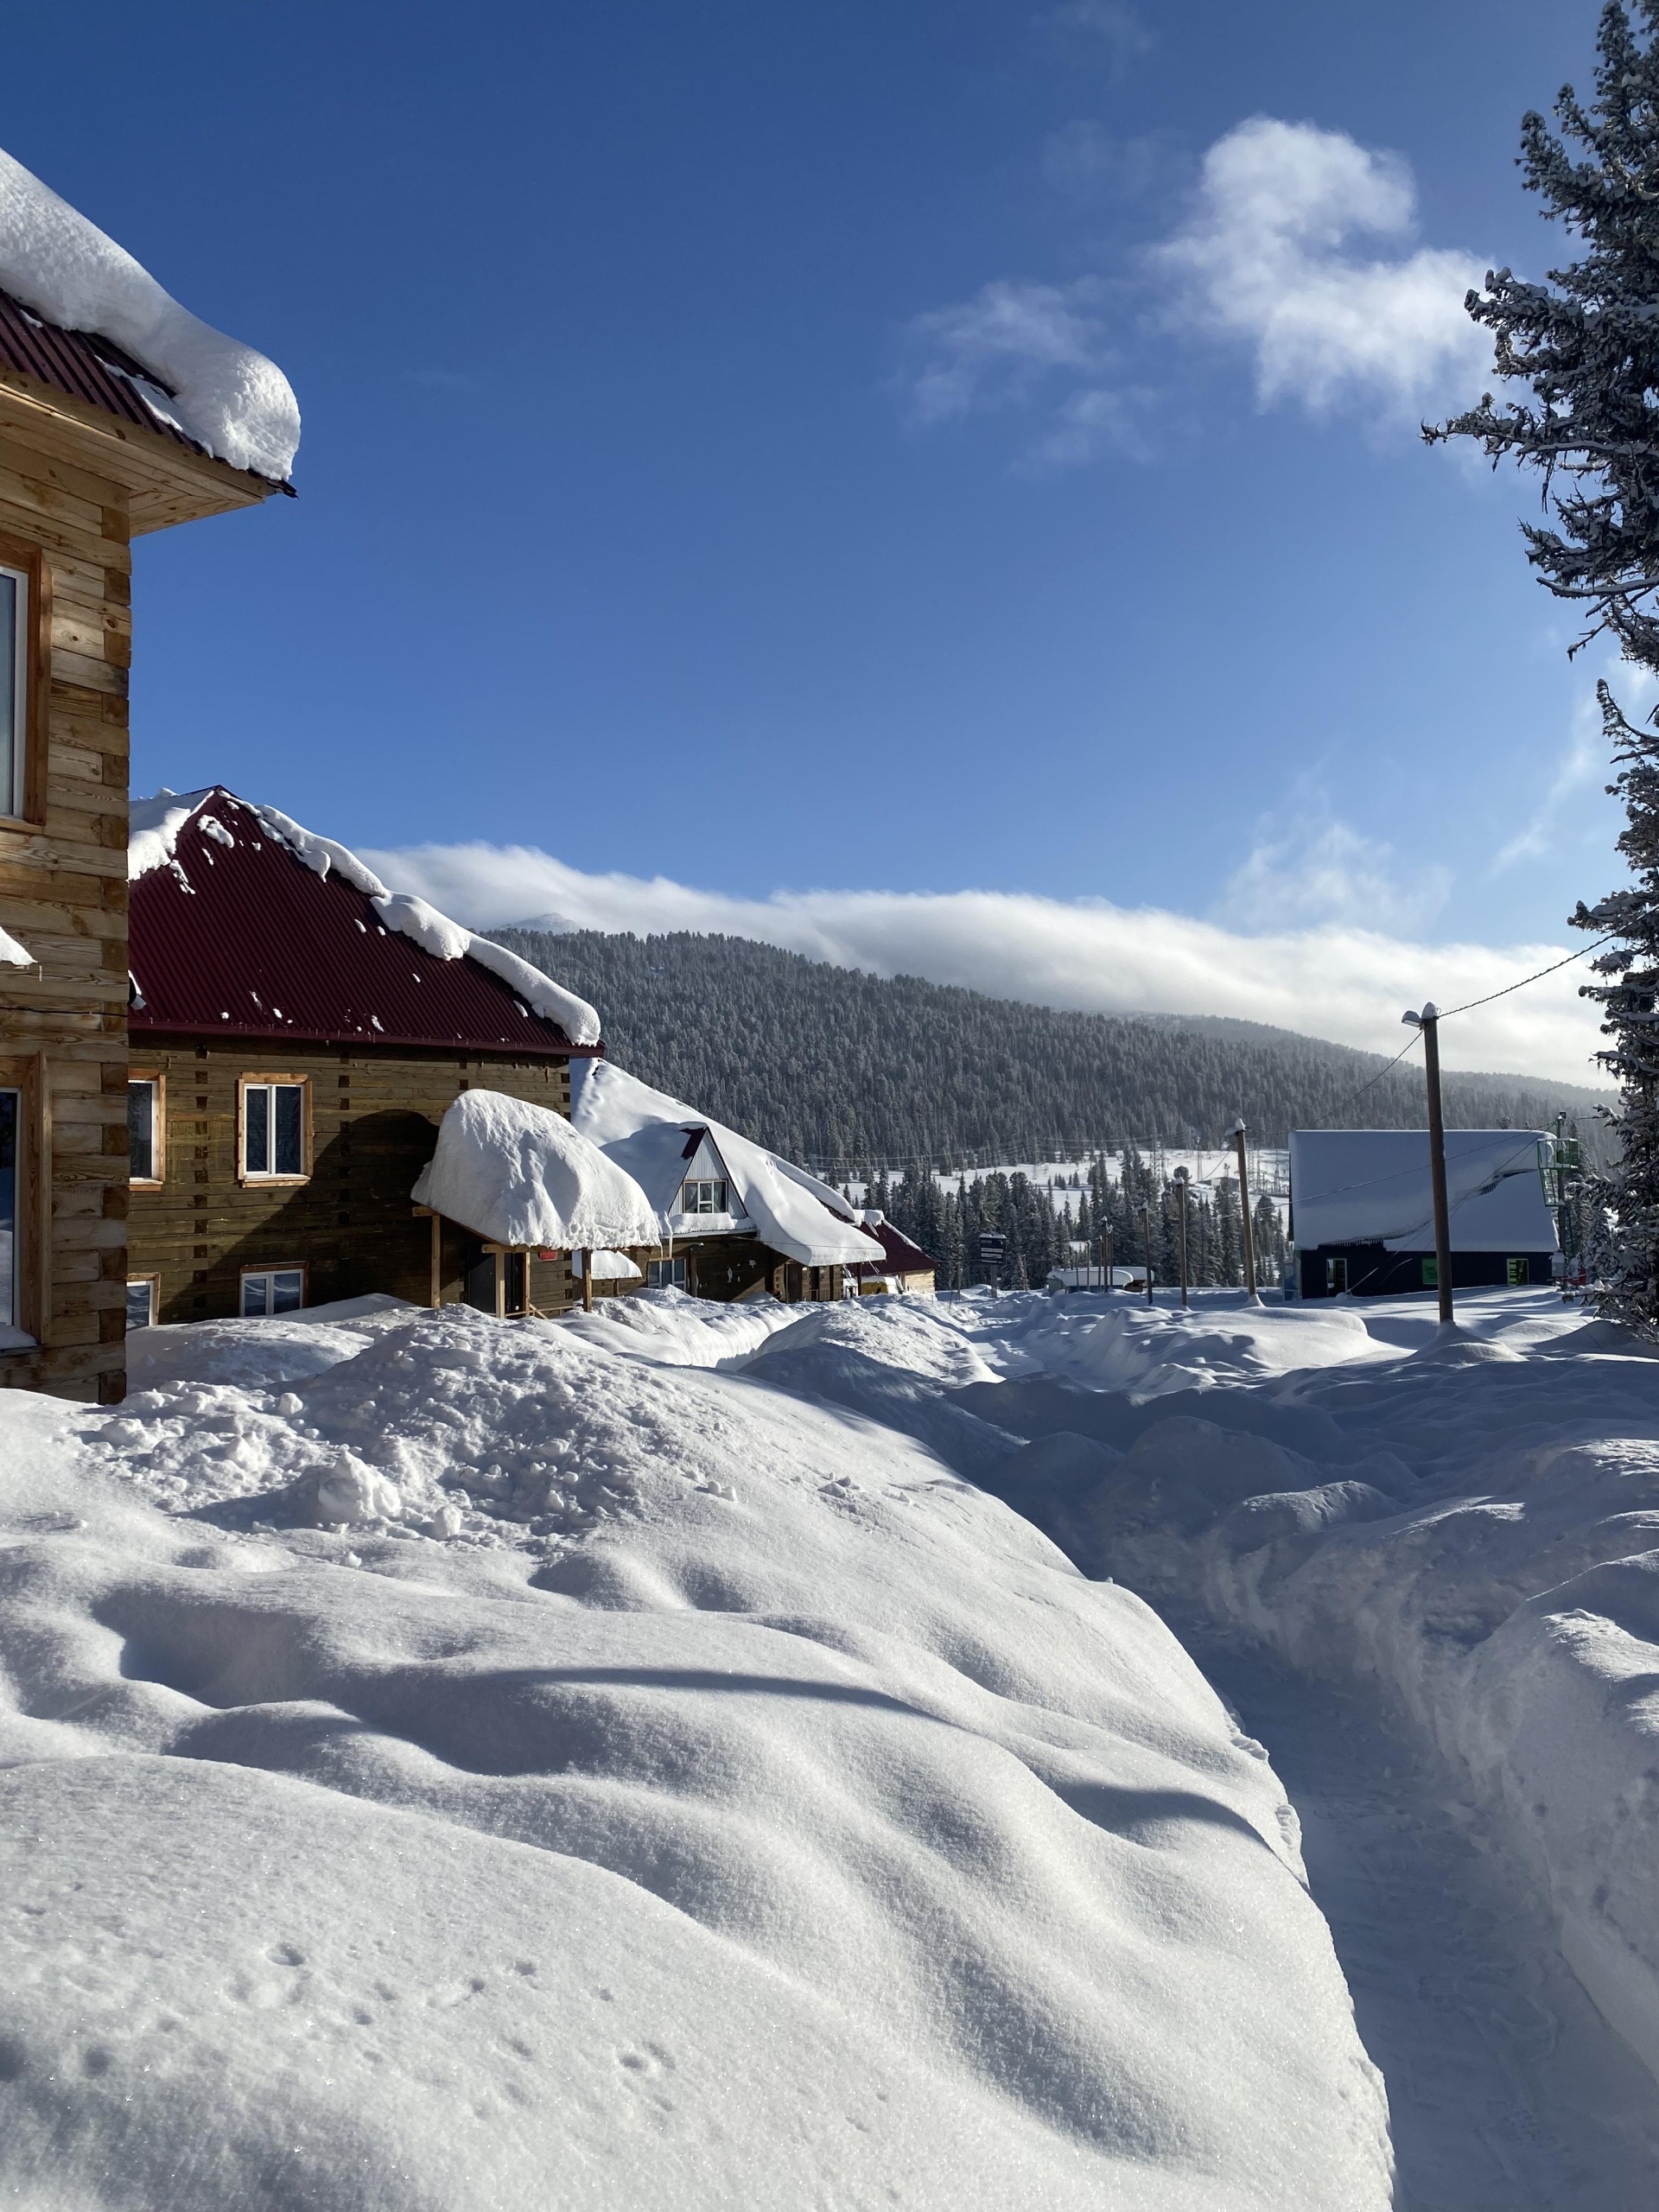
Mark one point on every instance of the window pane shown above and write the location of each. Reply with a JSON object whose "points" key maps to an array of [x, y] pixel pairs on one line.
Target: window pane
{"points": [[287, 1290], [719, 1206], [257, 1108], [140, 1312], [290, 1125], [141, 1132], [8, 1121], [10, 607], [256, 1296]]}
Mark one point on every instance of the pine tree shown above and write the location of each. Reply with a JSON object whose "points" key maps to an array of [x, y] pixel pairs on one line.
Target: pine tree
{"points": [[1586, 341]]}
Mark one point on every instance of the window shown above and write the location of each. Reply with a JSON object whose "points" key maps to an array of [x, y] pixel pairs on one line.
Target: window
{"points": [[665, 1274], [1336, 1277], [276, 1290], [14, 686], [1519, 1274], [704, 1196], [273, 1132], [1431, 1275], [143, 1296], [10, 1130], [144, 1129]]}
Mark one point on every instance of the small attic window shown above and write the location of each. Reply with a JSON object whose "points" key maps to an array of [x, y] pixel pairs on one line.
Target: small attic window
{"points": [[705, 1195]]}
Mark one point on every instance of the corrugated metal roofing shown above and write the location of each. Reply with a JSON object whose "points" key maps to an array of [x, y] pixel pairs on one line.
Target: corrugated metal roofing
{"points": [[901, 1255], [84, 367], [240, 938]]}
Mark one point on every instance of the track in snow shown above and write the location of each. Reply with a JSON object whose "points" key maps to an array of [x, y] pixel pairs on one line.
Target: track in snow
{"points": [[1508, 2092]]}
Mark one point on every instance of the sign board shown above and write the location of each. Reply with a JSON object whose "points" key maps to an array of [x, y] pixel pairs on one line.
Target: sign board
{"points": [[991, 1249]]}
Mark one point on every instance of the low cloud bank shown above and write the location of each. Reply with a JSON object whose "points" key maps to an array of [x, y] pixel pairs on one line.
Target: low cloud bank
{"points": [[1330, 981]]}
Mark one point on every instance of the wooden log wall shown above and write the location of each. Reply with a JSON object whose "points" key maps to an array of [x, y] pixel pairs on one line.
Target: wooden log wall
{"points": [[63, 895], [372, 1121]]}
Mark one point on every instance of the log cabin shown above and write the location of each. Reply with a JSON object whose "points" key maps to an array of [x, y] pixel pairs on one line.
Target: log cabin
{"points": [[742, 1222], [299, 1034], [93, 454]]}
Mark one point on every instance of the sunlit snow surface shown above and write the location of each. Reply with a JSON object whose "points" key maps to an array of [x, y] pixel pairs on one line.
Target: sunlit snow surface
{"points": [[738, 1808]]}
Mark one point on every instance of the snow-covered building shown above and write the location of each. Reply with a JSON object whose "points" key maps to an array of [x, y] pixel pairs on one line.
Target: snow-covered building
{"points": [[300, 1036], [904, 1268], [1362, 1210], [120, 414], [740, 1220]]}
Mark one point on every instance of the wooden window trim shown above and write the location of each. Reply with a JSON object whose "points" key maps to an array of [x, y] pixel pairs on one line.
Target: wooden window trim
{"points": [[244, 1083], [158, 1135], [300, 1267], [31, 563]]}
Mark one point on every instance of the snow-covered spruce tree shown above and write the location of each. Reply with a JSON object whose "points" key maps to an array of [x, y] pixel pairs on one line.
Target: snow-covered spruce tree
{"points": [[1586, 342]]}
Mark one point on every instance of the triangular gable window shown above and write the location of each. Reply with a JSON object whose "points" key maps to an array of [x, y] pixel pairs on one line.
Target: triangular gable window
{"points": [[705, 1187]]}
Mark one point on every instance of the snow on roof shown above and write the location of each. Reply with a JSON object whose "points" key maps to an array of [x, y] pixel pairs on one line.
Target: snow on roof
{"points": [[228, 398], [645, 1131], [154, 828], [519, 1174], [1371, 1186]]}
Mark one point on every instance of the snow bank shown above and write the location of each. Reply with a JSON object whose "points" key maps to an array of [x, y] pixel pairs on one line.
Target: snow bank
{"points": [[153, 835], [1470, 1520], [229, 399], [519, 1173], [645, 1132], [730, 1808]]}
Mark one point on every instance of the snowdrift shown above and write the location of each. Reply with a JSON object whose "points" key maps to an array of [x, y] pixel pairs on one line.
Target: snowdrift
{"points": [[1469, 1520], [668, 1788]]}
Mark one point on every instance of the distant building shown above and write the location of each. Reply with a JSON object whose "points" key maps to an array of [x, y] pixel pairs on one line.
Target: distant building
{"points": [[1363, 1216], [298, 1036], [742, 1222], [903, 1269]]}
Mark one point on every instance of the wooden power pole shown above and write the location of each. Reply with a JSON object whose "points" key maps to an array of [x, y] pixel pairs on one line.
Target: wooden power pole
{"points": [[1429, 1022], [1253, 1296], [1181, 1180]]}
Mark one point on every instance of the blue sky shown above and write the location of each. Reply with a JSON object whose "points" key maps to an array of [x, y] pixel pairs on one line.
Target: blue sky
{"points": [[905, 448]]}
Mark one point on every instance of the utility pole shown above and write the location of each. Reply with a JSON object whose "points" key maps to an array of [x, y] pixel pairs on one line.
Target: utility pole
{"points": [[1429, 1022], [1180, 1181], [1108, 1241], [1146, 1237], [1252, 1295]]}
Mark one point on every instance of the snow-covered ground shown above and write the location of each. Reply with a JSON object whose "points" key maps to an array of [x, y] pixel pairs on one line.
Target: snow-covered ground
{"points": [[456, 1763], [646, 1749]]}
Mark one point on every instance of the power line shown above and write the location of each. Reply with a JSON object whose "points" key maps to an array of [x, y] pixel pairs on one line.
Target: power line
{"points": [[1469, 1005]]}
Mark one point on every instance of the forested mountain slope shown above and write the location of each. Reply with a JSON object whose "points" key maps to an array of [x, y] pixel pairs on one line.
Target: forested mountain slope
{"points": [[839, 1069]]}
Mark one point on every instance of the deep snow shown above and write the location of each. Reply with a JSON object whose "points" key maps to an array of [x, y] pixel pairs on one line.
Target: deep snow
{"points": [[725, 1803]]}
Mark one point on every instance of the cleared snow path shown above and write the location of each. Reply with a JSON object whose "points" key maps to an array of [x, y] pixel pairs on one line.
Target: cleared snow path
{"points": [[1507, 2092]]}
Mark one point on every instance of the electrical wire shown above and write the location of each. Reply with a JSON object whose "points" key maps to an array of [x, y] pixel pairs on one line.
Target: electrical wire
{"points": [[1469, 1005]]}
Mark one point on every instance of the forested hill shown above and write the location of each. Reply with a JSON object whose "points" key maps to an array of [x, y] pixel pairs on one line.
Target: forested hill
{"points": [[840, 1070]]}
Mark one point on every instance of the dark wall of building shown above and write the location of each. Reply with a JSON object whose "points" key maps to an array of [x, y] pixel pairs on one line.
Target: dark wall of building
{"points": [[1371, 1271]]}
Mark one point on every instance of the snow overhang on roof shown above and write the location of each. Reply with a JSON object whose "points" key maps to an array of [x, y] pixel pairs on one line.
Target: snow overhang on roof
{"points": [[170, 979], [1372, 1186], [13, 954], [645, 1131], [520, 1175], [190, 379]]}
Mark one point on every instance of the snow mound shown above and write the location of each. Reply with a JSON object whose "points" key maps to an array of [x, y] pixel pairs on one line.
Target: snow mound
{"points": [[739, 1811], [1149, 1351], [519, 1174], [228, 398]]}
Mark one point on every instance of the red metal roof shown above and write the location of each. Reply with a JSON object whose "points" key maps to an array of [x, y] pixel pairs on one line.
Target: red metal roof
{"points": [[901, 1255], [240, 938], [83, 366]]}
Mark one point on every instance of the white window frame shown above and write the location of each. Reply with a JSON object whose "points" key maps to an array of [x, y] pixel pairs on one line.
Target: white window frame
{"points": [[152, 1286], [157, 1157], [14, 797], [716, 1186], [271, 1083], [665, 1274], [268, 1277]]}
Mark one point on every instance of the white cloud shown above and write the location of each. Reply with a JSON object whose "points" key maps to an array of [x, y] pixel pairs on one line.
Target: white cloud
{"points": [[1315, 869], [998, 346], [1299, 244], [1330, 981]]}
